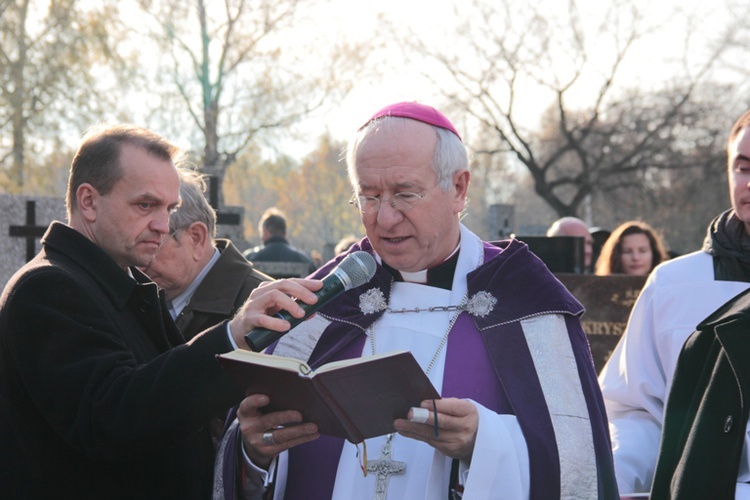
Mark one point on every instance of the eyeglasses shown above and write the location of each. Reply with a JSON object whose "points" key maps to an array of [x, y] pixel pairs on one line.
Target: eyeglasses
{"points": [[400, 201], [174, 234]]}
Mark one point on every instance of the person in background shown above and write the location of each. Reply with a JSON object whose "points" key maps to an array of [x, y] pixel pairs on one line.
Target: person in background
{"points": [[317, 258], [498, 335], [206, 280], [573, 226], [599, 236], [276, 248], [345, 244], [634, 247], [100, 396], [643, 371]]}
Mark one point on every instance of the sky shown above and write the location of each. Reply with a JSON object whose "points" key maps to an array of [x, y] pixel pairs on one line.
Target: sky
{"points": [[650, 61], [357, 20]]}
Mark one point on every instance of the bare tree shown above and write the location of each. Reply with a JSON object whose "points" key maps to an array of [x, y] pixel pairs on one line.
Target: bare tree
{"points": [[313, 192], [598, 134], [683, 185], [47, 52], [239, 70]]}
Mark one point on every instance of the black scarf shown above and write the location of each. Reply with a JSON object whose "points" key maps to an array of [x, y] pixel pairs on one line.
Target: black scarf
{"points": [[729, 244]]}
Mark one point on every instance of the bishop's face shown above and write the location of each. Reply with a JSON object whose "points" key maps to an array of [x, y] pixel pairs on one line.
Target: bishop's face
{"points": [[396, 160]]}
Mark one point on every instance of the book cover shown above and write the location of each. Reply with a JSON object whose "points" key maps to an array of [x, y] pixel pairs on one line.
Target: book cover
{"points": [[354, 399]]}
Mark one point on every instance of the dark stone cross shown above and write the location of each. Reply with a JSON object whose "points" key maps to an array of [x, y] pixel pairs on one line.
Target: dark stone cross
{"points": [[30, 231], [213, 198]]}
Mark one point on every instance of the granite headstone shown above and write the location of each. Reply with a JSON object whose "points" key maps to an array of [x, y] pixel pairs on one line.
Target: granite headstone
{"points": [[23, 222], [608, 301]]}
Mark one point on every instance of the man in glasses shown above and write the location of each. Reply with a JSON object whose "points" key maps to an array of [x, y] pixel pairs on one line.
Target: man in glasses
{"points": [[205, 279], [497, 334]]}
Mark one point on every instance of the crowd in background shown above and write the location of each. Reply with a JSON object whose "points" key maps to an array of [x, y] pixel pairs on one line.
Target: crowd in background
{"points": [[633, 247]]}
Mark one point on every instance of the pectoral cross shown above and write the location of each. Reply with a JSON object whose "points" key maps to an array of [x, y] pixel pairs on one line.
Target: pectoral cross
{"points": [[384, 467]]}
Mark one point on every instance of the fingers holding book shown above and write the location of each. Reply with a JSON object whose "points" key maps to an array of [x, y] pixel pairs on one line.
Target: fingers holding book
{"points": [[419, 415], [264, 436], [449, 425], [268, 439]]}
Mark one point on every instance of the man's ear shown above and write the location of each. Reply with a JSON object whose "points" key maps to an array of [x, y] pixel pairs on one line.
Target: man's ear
{"points": [[197, 232], [87, 198], [461, 184]]}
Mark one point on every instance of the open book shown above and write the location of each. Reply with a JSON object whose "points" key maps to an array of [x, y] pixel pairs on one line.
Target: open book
{"points": [[354, 399]]}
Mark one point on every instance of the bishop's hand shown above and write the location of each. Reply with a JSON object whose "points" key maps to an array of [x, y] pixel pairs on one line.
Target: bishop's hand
{"points": [[456, 429], [265, 436]]}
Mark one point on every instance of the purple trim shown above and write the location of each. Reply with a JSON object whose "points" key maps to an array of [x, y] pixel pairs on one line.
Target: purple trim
{"points": [[507, 348], [231, 471], [524, 287], [475, 379], [314, 465], [595, 404]]}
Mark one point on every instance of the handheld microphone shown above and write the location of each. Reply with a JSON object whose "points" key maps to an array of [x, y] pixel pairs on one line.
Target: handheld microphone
{"points": [[355, 270]]}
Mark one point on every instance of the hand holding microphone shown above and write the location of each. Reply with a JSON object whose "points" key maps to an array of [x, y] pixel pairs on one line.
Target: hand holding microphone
{"points": [[355, 270]]}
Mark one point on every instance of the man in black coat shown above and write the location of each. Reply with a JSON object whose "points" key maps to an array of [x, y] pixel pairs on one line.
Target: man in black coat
{"points": [[100, 397], [276, 248]]}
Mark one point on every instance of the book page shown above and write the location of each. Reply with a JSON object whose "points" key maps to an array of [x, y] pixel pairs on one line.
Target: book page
{"points": [[257, 358], [355, 361]]}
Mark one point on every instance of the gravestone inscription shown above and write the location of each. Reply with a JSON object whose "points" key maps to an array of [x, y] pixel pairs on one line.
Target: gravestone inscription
{"points": [[608, 301]]}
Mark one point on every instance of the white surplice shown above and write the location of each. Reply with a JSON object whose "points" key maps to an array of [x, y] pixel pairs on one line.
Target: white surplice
{"points": [[499, 467]]}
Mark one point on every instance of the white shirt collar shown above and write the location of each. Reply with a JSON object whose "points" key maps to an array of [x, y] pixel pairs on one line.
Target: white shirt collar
{"points": [[177, 304]]}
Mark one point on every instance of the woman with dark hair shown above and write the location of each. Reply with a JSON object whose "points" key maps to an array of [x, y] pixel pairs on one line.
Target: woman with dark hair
{"points": [[633, 248]]}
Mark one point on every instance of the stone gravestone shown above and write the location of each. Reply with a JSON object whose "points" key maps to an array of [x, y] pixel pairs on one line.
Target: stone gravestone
{"points": [[500, 221], [229, 225], [25, 219], [561, 254], [22, 224], [228, 218], [608, 301]]}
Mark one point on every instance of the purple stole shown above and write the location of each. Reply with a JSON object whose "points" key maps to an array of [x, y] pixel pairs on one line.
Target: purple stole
{"points": [[473, 380], [501, 375]]}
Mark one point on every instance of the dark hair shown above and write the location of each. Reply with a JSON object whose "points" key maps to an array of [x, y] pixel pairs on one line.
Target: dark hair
{"points": [[274, 222], [97, 160], [609, 261]]}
